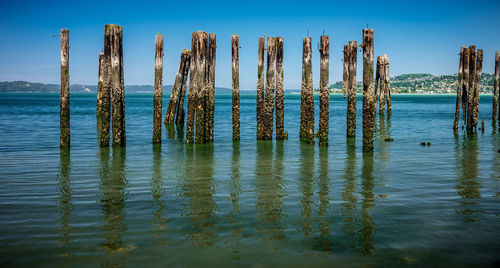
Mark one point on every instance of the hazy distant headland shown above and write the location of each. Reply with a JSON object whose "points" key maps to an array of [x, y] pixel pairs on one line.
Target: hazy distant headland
{"points": [[405, 83]]}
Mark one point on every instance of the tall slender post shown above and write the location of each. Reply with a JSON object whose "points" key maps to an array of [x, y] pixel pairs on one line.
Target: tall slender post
{"points": [[260, 89], [117, 87], [459, 88], [211, 87], [345, 73], [64, 107], [352, 57], [176, 90], [465, 84], [270, 88], [477, 88], [158, 89], [470, 93], [307, 100], [100, 82], [382, 86], [106, 89], [280, 92], [179, 120], [369, 108], [378, 69], [495, 87], [324, 94], [201, 89], [387, 84], [236, 87], [193, 84]]}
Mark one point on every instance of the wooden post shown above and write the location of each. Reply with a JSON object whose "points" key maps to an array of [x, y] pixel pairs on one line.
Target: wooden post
{"points": [[477, 88], [201, 89], [211, 87], [345, 74], [236, 87], [324, 94], [351, 88], [470, 93], [459, 88], [64, 107], [280, 92], [270, 88], [465, 84], [117, 87], [369, 108], [382, 85], [100, 82], [378, 69], [260, 90], [307, 100], [387, 84], [495, 87], [106, 90], [193, 83], [158, 89], [176, 90], [179, 120]]}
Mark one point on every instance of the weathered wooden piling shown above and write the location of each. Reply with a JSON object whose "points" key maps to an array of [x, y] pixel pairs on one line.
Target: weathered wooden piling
{"points": [[211, 87], [179, 120], [64, 107], [465, 83], [100, 82], [459, 88], [104, 117], [117, 86], [324, 93], [175, 98], [201, 89], [351, 58], [193, 84], [158, 89], [260, 89], [378, 69], [270, 88], [383, 87], [387, 84], [495, 87], [369, 108], [280, 92], [345, 73], [477, 88], [236, 87], [470, 93], [307, 100]]}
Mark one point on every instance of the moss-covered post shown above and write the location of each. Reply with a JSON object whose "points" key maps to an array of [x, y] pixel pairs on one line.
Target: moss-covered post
{"points": [[459, 89], [104, 119], [236, 87], [260, 89], [495, 87], [270, 88], [470, 93], [64, 107], [201, 88], [158, 89], [387, 84], [352, 56], [211, 87], [307, 100], [176, 90], [381, 84], [324, 94], [280, 92], [477, 88], [179, 120], [192, 97], [369, 108], [465, 84], [100, 82], [117, 88]]}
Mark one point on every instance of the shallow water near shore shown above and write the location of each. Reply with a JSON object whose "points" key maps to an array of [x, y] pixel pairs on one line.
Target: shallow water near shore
{"points": [[248, 203]]}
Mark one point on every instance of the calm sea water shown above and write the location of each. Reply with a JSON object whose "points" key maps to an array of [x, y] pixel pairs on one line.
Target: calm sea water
{"points": [[247, 203]]}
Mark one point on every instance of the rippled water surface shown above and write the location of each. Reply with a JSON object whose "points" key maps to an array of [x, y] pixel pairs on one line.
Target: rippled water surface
{"points": [[247, 203]]}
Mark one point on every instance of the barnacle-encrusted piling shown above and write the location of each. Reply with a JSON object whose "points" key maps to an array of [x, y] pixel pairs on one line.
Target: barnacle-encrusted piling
{"points": [[177, 96], [477, 88], [470, 93], [369, 108], [465, 84], [210, 109], [270, 88], [495, 87], [117, 86], [179, 120], [387, 84], [64, 135], [236, 87], [260, 90], [459, 88], [280, 92], [351, 55], [380, 82], [100, 82], [307, 100], [324, 94], [104, 117], [193, 85], [158, 89]]}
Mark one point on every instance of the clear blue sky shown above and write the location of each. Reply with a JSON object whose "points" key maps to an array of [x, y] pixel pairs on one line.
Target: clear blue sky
{"points": [[418, 36]]}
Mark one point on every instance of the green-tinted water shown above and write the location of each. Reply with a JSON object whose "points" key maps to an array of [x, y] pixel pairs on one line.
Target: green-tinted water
{"points": [[247, 203]]}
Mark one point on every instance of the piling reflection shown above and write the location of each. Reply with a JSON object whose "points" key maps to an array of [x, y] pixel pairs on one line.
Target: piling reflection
{"points": [[113, 186], [324, 242], [235, 191], [468, 186], [64, 200], [385, 133], [199, 189], [175, 132], [367, 224], [349, 198], [158, 193], [269, 191], [306, 187]]}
